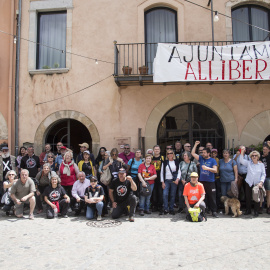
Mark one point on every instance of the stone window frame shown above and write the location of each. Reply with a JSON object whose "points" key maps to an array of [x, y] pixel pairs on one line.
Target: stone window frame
{"points": [[48, 6], [237, 3]]}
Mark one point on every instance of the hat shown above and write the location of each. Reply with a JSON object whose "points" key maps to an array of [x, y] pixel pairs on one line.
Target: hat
{"points": [[122, 170], [5, 148], [63, 147], [214, 150], [84, 144], [87, 152], [194, 174], [94, 178]]}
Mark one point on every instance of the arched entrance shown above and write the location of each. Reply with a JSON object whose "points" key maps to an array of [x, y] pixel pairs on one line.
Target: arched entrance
{"points": [[70, 132], [188, 123]]}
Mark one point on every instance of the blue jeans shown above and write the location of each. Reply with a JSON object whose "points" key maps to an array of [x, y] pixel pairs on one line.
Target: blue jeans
{"points": [[169, 187], [90, 210], [145, 200], [225, 187]]}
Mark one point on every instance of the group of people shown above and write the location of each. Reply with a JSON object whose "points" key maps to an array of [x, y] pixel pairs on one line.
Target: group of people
{"points": [[191, 179]]}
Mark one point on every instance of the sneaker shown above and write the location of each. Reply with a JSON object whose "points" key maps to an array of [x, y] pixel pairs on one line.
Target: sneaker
{"points": [[172, 212], [166, 212], [180, 210], [131, 219], [99, 218], [141, 213], [147, 212], [161, 212], [65, 216], [260, 210], [214, 214]]}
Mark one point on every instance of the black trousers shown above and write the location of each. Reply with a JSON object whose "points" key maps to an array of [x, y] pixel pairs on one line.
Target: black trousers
{"points": [[210, 195], [248, 191], [121, 207], [68, 190], [78, 206], [63, 207], [157, 195]]}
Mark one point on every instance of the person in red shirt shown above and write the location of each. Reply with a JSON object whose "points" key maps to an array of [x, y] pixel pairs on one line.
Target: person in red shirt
{"points": [[194, 194], [146, 173], [127, 154]]}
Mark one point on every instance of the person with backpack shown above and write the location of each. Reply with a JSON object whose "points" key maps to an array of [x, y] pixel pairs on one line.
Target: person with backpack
{"points": [[194, 195], [170, 176]]}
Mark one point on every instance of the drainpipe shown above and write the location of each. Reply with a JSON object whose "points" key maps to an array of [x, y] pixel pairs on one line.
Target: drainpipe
{"points": [[17, 79]]}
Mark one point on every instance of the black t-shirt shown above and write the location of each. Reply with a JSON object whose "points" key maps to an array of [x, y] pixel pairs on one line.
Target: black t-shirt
{"points": [[94, 193], [7, 165], [157, 162], [121, 190], [266, 162], [87, 168], [178, 155], [31, 164], [54, 194]]}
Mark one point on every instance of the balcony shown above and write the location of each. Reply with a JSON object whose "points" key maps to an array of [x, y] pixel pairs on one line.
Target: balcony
{"points": [[133, 64]]}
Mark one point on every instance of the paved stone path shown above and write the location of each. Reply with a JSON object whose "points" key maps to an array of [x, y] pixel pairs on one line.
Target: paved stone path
{"points": [[151, 242]]}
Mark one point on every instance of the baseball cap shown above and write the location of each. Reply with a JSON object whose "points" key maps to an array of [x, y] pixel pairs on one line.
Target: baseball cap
{"points": [[84, 144], [214, 150], [122, 170], [194, 174], [93, 178], [87, 152], [63, 147]]}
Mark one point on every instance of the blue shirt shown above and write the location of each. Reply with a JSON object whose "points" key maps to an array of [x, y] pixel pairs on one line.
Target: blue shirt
{"points": [[226, 171], [241, 168], [134, 168], [205, 175]]}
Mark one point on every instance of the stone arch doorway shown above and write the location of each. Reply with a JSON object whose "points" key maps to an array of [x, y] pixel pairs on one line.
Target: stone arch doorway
{"points": [[208, 100], [70, 132], [190, 122], [60, 118]]}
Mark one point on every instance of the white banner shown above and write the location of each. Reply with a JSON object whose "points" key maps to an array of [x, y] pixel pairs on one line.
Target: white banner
{"points": [[239, 62]]}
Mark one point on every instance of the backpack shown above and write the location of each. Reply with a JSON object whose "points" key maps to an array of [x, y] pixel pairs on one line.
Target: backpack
{"points": [[194, 215]]}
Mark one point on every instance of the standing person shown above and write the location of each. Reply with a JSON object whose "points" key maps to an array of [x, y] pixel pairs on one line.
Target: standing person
{"points": [[23, 192], [56, 198], [170, 176], [228, 172], [187, 167], [209, 145], [43, 155], [178, 150], [59, 158], [208, 168], [22, 153], [85, 147], [7, 163], [68, 173], [93, 197], [146, 172], [86, 165], [255, 176], [187, 147], [265, 159], [78, 192], [114, 163], [121, 195], [127, 154], [100, 158], [52, 162], [214, 155], [157, 197], [149, 152], [31, 162], [58, 146], [242, 170]]}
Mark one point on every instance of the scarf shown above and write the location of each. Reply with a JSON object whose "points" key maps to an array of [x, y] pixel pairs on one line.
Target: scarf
{"points": [[66, 169]]}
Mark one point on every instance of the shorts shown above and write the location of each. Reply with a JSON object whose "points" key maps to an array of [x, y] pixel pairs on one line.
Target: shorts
{"points": [[19, 208], [267, 183]]}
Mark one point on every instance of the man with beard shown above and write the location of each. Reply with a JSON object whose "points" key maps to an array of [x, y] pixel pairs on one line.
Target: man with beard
{"points": [[31, 162], [7, 163]]}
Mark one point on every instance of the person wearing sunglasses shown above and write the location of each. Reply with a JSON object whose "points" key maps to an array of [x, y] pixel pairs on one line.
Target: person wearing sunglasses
{"points": [[127, 154], [51, 161], [255, 177], [170, 176]]}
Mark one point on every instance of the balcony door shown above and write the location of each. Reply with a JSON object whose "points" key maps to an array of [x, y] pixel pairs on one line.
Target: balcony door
{"points": [[160, 26]]}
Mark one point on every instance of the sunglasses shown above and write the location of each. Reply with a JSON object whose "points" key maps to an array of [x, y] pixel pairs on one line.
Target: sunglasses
{"points": [[50, 156], [254, 155], [114, 154], [188, 145], [11, 174], [126, 148], [170, 154], [93, 181]]}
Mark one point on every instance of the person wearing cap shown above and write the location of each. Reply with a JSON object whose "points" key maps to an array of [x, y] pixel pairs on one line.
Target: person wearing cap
{"points": [[86, 165], [194, 194], [7, 163], [83, 147], [93, 196], [121, 195], [78, 192]]}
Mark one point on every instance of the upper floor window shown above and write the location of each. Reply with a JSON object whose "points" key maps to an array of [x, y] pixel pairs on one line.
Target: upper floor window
{"points": [[254, 15], [51, 40]]}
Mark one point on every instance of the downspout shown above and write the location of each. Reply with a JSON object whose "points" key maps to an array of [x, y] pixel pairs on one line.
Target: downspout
{"points": [[17, 79]]}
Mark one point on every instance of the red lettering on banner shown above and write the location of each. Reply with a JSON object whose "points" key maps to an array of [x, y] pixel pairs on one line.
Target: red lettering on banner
{"points": [[210, 72], [200, 71], [191, 73], [246, 68], [223, 70], [236, 69], [257, 68]]}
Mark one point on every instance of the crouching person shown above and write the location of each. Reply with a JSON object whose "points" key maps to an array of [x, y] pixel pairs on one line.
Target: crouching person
{"points": [[120, 193], [194, 195], [93, 196], [23, 192], [56, 198]]}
